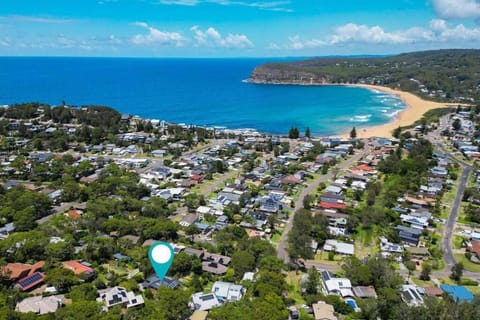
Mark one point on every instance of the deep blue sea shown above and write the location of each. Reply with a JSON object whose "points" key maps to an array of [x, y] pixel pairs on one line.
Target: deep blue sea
{"points": [[193, 91]]}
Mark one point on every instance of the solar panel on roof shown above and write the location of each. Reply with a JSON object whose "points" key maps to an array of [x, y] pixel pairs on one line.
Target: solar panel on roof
{"points": [[414, 293], [207, 297], [31, 280]]}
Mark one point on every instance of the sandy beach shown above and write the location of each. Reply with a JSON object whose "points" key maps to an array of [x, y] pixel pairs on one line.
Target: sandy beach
{"points": [[416, 107]]}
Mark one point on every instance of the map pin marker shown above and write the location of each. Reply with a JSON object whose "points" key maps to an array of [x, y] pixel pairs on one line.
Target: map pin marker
{"points": [[161, 257]]}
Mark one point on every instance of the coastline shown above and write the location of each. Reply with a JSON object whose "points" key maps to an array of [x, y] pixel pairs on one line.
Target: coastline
{"points": [[416, 108]]}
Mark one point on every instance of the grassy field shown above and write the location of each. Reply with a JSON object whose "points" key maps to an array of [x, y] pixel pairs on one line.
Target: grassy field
{"points": [[276, 238], [293, 281], [457, 242], [470, 266], [422, 283], [365, 242], [323, 258]]}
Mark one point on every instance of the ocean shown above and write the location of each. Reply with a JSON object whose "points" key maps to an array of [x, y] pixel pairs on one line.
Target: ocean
{"points": [[193, 91]]}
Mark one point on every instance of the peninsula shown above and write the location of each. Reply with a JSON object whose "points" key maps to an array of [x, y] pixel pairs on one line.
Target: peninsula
{"points": [[423, 80]]}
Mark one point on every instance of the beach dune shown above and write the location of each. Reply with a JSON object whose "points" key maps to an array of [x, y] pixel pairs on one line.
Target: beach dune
{"points": [[416, 107]]}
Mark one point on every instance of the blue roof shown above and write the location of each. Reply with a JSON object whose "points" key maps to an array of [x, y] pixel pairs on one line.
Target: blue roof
{"points": [[120, 256], [458, 292]]}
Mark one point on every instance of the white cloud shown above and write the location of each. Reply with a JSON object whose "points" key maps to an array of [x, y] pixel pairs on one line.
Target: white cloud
{"points": [[263, 5], [354, 33], [156, 36], [180, 2], [438, 31], [213, 38], [457, 33], [35, 19], [362, 33], [457, 8]]}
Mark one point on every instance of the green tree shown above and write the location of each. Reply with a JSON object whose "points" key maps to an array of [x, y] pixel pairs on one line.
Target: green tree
{"points": [[293, 133], [191, 231], [271, 307], [307, 201], [426, 270], [81, 310], [182, 264], [411, 267], [457, 271], [59, 251], [457, 124], [242, 261], [353, 133], [83, 292], [313, 281], [62, 279], [169, 304], [307, 132]]}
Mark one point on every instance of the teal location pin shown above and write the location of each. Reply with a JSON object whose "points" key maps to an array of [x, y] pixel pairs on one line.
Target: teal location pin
{"points": [[161, 257]]}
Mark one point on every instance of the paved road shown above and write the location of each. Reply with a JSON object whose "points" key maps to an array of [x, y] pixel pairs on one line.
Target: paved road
{"points": [[446, 245], [207, 189], [56, 210], [282, 245]]}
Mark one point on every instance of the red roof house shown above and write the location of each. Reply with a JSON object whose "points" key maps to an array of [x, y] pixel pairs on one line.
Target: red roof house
{"points": [[77, 267], [332, 205]]}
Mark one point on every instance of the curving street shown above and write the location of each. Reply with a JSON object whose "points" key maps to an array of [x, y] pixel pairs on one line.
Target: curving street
{"points": [[282, 245]]}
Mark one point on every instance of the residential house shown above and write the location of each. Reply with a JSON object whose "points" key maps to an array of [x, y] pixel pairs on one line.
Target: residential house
{"points": [[153, 282], [332, 197], [6, 230], [79, 268], [323, 311], [40, 305], [18, 271], [408, 235], [458, 293], [204, 301], [159, 153], [221, 222], [41, 156], [120, 296], [227, 291], [336, 286], [339, 247], [189, 219], [211, 262], [270, 204], [414, 222], [474, 247], [412, 295], [199, 315], [365, 292]]}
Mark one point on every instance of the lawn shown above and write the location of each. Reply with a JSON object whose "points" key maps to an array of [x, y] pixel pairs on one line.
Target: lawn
{"points": [[323, 258], [422, 283], [457, 242], [470, 266], [276, 237], [293, 281]]}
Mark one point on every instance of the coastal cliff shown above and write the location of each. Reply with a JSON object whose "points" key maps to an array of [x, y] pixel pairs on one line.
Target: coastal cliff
{"points": [[441, 75], [286, 74]]}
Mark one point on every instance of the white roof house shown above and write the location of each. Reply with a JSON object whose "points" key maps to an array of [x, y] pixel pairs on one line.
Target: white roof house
{"points": [[227, 291], [40, 305], [412, 295], [205, 301], [204, 210], [339, 247], [120, 296], [339, 286]]}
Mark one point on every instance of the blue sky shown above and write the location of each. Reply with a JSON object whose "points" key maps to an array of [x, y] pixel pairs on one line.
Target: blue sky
{"points": [[235, 28]]}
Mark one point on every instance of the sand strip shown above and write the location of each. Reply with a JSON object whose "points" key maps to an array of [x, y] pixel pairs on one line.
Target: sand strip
{"points": [[416, 107]]}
